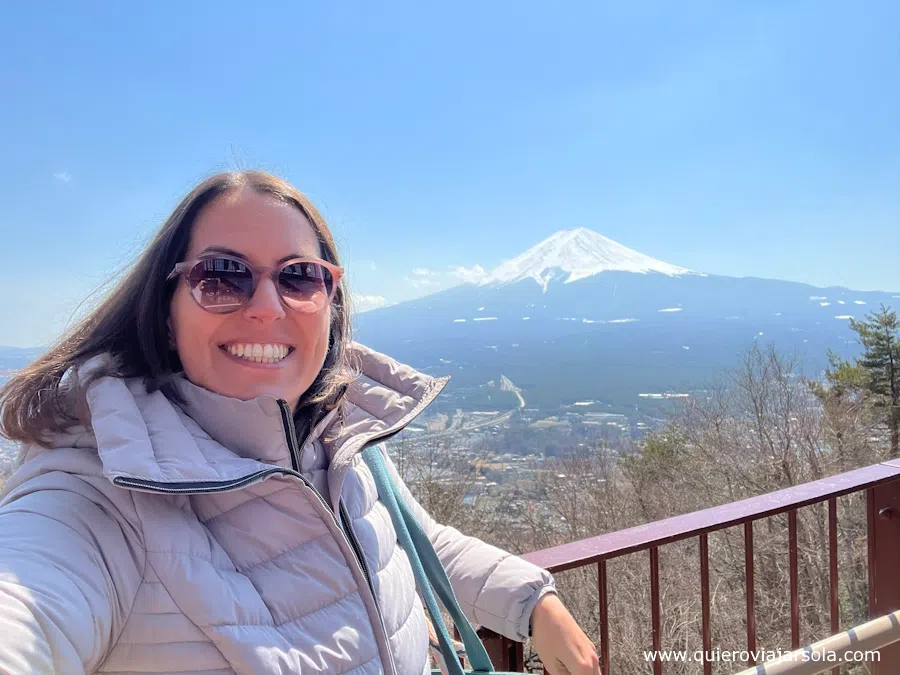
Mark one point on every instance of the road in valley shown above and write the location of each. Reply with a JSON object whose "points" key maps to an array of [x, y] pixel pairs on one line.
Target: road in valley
{"points": [[455, 429]]}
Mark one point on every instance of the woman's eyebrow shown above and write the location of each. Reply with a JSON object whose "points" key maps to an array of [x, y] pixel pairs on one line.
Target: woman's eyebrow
{"points": [[238, 254], [225, 250], [297, 255]]}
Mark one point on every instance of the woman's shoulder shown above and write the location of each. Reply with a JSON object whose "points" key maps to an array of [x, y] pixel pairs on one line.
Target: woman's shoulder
{"points": [[67, 485], [70, 467]]}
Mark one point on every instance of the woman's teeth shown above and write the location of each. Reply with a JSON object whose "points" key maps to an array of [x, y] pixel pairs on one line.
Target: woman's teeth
{"points": [[258, 353]]}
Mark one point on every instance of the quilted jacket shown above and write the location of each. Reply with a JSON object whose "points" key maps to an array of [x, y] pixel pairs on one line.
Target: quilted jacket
{"points": [[190, 537]]}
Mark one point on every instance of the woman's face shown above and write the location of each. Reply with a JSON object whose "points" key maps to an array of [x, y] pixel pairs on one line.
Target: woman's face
{"points": [[263, 231]]}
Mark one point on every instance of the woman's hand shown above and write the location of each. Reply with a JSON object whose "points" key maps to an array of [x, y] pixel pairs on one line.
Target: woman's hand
{"points": [[560, 643]]}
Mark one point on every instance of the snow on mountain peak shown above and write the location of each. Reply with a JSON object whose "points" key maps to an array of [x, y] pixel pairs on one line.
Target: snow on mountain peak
{"points": [[577, 253]]}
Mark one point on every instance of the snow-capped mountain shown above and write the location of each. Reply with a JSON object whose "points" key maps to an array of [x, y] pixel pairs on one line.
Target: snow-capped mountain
{"points": [[581, 317], [576, 254]]}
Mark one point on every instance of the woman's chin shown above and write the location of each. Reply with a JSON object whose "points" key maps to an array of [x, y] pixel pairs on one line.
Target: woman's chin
{"points": [[247, 384], [248, 393]]}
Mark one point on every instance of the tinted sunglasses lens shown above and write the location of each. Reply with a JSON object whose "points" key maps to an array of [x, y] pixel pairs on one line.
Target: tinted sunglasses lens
{"points": [[221, 284], [306, 286]]}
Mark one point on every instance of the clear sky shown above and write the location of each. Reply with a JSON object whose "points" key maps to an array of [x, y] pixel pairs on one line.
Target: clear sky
{"points": [[745, 138]]}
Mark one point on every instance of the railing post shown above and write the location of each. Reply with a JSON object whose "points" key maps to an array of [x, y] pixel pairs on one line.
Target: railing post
{"points": [[603, 597], [883, 515], [493, 644], [504, 653]]}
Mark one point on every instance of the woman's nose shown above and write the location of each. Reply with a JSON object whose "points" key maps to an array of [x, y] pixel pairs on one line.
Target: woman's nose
{"points": [[265, 304]]}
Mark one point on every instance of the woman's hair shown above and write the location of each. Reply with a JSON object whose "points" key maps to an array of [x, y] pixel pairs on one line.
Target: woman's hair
{"points": [[130, 325]]}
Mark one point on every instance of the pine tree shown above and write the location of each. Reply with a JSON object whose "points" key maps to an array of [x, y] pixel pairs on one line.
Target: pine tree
{"points": [[846, 380], [879, 335]]}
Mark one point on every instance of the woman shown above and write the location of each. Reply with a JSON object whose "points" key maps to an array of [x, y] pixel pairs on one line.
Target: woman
{"points": [[191, 496]]}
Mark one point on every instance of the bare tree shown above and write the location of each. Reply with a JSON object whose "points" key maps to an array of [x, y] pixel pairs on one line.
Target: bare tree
{"points": [[759, 428]]}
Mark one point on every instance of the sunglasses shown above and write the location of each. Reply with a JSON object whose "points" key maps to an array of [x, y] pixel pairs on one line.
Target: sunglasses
{"points": [[222, 284]]}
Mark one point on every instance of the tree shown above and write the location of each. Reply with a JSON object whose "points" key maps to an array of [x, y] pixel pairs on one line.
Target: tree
{"points": [[879, 335], [846, 381]]}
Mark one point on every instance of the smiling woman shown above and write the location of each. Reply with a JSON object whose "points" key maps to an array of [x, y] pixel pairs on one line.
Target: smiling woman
{"points": [[245, 300], [201, 483], [148, 327]]}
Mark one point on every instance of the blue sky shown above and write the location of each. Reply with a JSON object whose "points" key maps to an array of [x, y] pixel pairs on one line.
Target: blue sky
{"points": [[752, 139]]}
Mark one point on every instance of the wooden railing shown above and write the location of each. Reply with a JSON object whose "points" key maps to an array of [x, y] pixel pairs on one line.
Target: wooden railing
{"points": [[881, 483]]}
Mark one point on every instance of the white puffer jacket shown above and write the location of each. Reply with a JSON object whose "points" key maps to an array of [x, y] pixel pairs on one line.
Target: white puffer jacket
{"points": [[185, 539]]}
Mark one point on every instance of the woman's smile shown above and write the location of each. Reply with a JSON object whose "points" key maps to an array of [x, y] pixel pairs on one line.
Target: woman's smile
{"points": [[275, 349], [265, 352]]}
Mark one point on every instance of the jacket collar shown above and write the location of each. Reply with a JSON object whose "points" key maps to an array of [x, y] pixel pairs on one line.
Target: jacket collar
{"points": [[213, 438]]}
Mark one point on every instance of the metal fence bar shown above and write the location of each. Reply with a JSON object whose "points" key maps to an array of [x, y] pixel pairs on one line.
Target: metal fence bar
{"points": [[642, 537], [833, 571], [604, 617], [883, 510], [794, 579], [517, 656], [871, 523], [493, 643], [881, 484], [654, 609], [704, 601], [750, 589]]}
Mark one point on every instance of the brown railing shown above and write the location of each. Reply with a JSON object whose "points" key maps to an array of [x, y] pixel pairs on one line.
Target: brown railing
{"points": [[881, 483]]}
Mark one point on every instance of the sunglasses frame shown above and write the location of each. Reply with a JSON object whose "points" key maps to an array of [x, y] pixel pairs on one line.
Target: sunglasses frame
{"points": [[257, 272]]}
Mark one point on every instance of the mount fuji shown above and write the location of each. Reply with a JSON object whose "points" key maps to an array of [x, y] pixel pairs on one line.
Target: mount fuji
{"points": [[582, 317], [576, 254]]}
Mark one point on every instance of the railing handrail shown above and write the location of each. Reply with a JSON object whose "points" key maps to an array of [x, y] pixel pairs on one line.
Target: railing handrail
{"points": [[643, 537]]}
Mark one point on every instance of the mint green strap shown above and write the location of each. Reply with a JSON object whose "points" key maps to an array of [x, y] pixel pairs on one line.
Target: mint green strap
{"points": [[428, 571]]}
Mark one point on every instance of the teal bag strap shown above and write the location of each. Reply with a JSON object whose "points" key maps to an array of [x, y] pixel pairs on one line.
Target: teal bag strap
{"points": [[441, 585], [428, 571]]}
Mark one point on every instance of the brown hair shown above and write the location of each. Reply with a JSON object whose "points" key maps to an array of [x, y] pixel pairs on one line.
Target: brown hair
{"points": [[130, 326]]}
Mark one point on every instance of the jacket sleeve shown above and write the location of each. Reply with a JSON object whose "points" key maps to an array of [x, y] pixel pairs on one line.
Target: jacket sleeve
{"points": [[495, 589], [70, 567]]}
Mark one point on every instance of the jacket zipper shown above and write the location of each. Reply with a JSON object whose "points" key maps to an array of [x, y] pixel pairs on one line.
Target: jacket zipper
{"points": [[357, 549], [225, 486], [206, 487], [291, 435]]}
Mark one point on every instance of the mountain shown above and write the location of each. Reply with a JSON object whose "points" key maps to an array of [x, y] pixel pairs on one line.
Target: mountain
{"points": [[12, 358], [580, 317], [576, 254]]}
